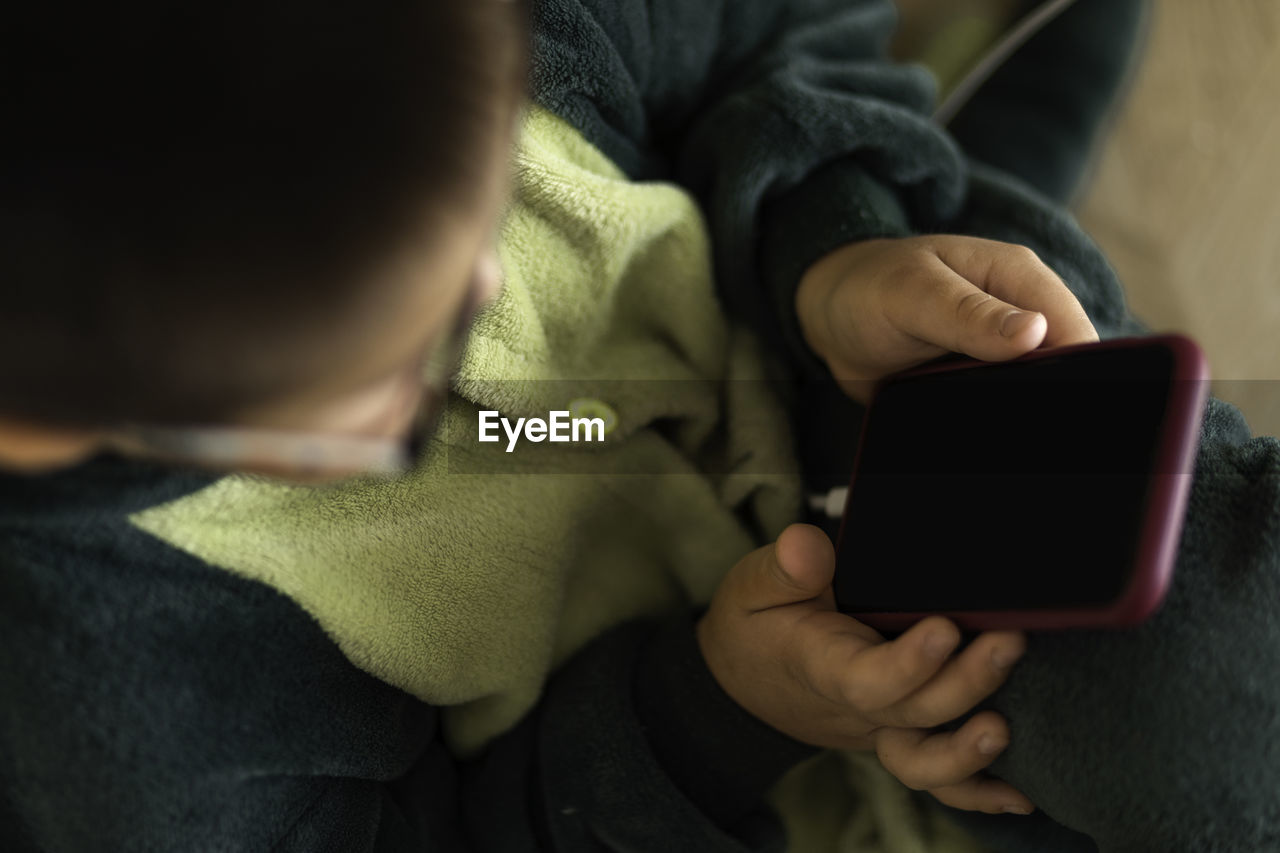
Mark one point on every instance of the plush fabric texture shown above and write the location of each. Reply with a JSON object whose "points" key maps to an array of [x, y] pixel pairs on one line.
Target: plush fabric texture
{"points": [[1039, 114], [154, 703], [1164, 737], [467, 581], [817, 108], [162, 694], [156, 700]]}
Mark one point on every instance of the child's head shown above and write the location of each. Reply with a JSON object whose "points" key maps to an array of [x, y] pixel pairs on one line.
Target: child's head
{"points": [[242, 212]]}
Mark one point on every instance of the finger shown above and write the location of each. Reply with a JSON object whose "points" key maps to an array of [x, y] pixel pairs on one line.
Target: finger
{"points": [[797, 567], [1016, 275], [941, 307], [966, 680], [880, 676], [925, 760], [985, 794], [829, 642]]}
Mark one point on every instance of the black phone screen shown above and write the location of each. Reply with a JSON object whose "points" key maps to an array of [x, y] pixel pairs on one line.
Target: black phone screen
{"points": [[1009, 486]]}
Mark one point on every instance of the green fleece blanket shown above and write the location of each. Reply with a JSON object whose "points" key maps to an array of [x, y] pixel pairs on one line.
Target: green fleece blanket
{"points": [[467, 582]]}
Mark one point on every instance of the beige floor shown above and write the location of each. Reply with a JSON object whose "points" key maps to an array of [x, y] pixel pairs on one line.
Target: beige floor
{"points": [[1185, 198], [1185, 193]]}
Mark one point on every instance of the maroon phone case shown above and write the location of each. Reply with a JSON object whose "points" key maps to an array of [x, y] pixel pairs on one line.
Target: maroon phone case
{"points": [[1161, 522]]}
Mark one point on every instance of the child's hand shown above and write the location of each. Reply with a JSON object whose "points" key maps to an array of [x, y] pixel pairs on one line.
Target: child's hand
{"points": [[876, 307], [776, 644]]}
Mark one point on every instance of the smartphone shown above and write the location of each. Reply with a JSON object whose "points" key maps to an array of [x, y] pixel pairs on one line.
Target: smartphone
{"points": [[1041, 493]]}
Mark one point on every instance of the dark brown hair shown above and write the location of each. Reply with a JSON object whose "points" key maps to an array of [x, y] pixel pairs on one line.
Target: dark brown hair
{"points": [[181, 184]]}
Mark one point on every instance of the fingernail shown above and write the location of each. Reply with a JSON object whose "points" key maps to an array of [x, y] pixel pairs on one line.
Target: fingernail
{"points": [[1017, 810], [1003, 657], [938, 645], [1014, 322], [989, 744]]}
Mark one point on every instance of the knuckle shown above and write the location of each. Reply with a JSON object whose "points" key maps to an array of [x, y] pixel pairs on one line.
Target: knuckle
{"points": [[905, 717], [827, 678], [922, 245], [848, 691], [859, 696], [910, 269], [908, 665], [812, 666], [969, 306], [926, 251], [926, 713], [898, 677], [1026, 255], [874, 695]]}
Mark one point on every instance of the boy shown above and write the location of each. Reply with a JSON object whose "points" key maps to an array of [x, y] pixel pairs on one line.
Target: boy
{"points": [[125, 729]]}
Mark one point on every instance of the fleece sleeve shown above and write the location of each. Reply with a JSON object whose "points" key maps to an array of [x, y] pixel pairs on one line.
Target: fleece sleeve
{"points": [[785, 120], [154, 703], [635, 747], [798, 134], [1038, 115]]}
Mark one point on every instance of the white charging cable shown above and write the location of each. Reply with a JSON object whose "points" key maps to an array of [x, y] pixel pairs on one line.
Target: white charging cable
{"points": [[830, 504]]}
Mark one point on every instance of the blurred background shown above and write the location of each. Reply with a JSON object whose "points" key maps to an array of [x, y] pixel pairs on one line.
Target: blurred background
{"points": [[1184, 193]]}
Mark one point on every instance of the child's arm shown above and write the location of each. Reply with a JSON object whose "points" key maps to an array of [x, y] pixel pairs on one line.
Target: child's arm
{"points": [[784, 117], [798, 134]]}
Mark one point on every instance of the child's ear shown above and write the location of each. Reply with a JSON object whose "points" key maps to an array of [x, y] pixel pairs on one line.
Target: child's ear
{"points": [[31, 448]]}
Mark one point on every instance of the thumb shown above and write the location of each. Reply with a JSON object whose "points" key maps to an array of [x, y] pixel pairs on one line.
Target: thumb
{"points": [[798, 567], [948, 310]]}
